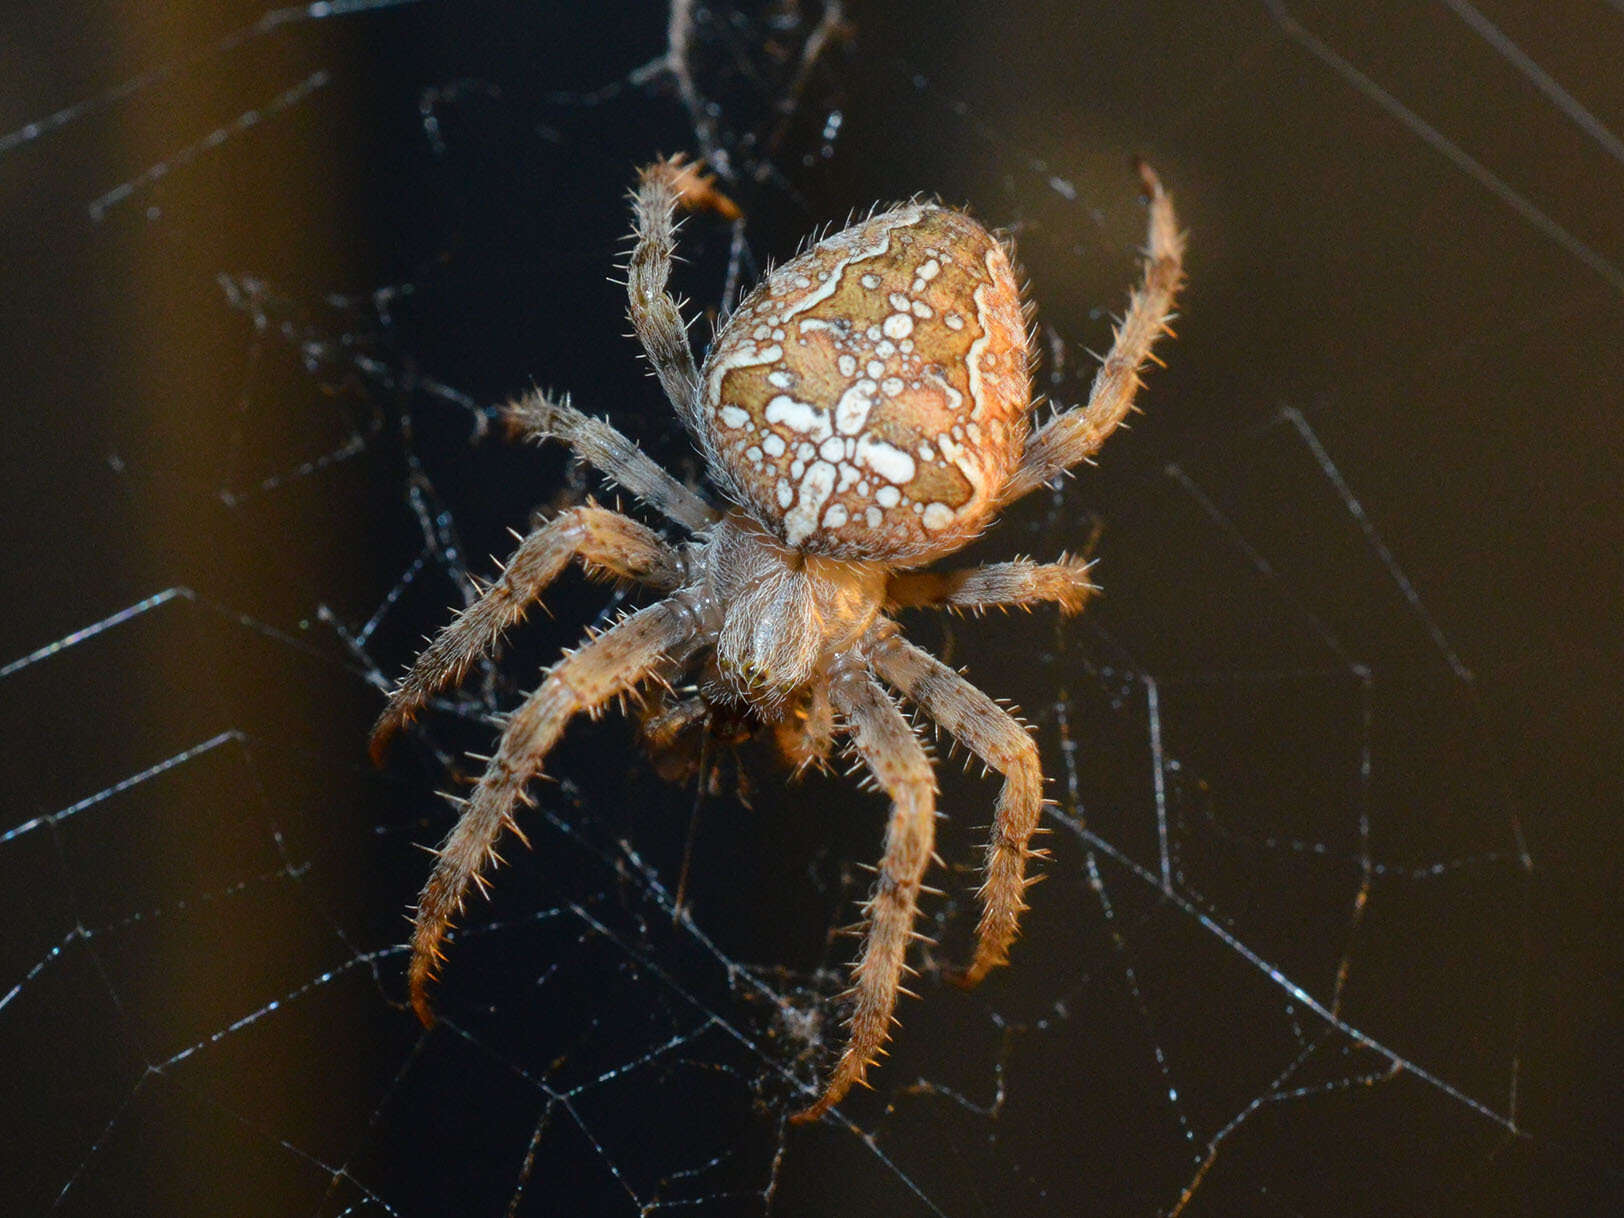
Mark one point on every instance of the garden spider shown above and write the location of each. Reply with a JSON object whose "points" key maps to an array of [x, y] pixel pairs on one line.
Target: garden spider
{"points": [[864, 411]]}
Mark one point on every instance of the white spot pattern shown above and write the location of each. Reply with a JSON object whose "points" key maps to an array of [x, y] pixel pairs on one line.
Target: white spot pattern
{"points": [[859, 418]]}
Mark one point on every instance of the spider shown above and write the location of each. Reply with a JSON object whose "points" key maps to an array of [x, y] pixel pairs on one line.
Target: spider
{"points": [[863, 412]]}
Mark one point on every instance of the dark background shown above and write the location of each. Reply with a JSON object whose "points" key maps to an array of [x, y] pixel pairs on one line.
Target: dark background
{"points": [[261, 285]]}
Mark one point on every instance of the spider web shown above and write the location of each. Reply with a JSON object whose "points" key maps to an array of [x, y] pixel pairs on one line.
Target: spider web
{"points": [[1331, 924]]}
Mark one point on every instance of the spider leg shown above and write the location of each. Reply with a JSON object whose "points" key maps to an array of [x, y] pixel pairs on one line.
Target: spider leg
{"points": [[995, 736], [885, 741], [602, 447], [604, 542], [1077, 434], [611, 664], [654, 313], [995, 586]]}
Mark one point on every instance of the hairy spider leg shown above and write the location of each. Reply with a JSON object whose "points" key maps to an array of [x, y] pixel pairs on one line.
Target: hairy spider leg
{"points": [[613, 663], [655, 314], [605, 543], [612, 454], [1000, 585], [1000, 741], [885, 741], [1076, 434]]}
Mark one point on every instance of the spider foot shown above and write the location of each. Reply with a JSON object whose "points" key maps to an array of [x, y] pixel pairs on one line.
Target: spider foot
{"points": [[971, 975], [695, 189], [384, 732]]}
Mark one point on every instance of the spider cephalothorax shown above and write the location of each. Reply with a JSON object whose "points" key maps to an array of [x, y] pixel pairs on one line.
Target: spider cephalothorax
{"points": [[864, 411]]}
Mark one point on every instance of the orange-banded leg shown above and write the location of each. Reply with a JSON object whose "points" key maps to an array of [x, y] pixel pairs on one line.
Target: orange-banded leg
{"points": [[604, 542], [1000, 740], [655, 314], [607, 666], [1000, 585], [538, 417], [885, 741], [1076, 434]]}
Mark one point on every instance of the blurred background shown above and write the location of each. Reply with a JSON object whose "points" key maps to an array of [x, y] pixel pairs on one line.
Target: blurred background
{"points": [[1332, 924]]}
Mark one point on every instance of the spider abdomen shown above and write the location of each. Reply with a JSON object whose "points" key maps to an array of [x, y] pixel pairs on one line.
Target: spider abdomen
{"points": [[869, 397]]}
